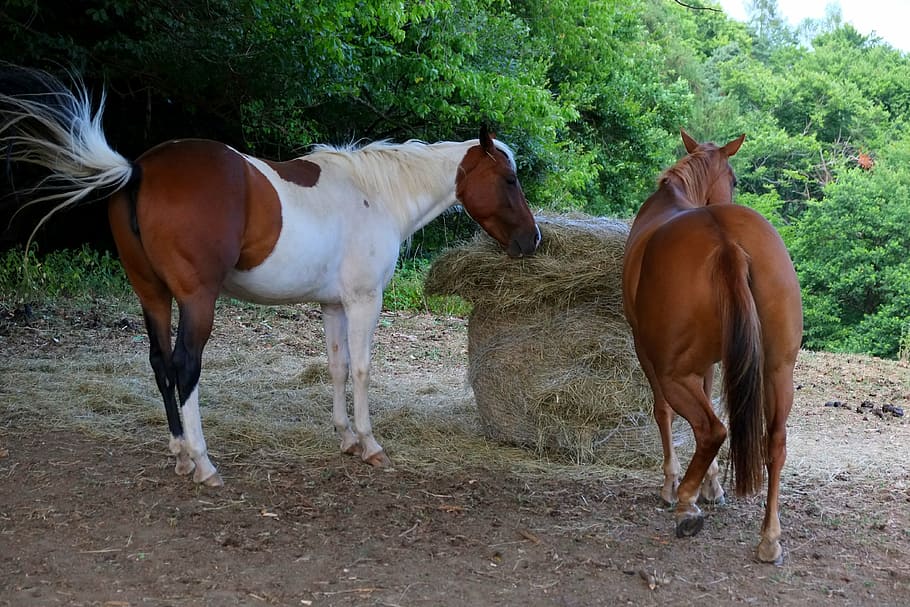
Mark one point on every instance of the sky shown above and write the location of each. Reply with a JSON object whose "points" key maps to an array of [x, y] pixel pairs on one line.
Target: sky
{"points": [[888, 19]]}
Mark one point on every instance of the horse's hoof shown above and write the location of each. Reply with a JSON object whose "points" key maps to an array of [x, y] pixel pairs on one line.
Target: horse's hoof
{"points": [[690, 525], [771, 552], [354, 449], [184, 466], [214, 481], [720, 500], [379, 460]]}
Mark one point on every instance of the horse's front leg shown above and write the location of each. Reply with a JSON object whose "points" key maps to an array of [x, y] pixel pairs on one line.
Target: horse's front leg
{"points": [[663, 416], [336, 328], [712, 492], [362, 316]]}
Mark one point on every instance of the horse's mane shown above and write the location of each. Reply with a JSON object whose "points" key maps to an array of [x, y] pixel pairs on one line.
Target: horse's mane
{"points": [[691, 172], [400, 170]]}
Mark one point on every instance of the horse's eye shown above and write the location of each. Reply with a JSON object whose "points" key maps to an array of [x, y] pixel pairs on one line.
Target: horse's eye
{"points": [[511, 180]]}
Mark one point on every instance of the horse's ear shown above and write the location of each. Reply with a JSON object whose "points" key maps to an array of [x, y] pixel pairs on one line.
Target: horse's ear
{"points": [[486, 139], [690, 143], [733, 147]]}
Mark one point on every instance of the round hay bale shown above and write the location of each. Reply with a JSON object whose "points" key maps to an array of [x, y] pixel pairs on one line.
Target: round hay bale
{"points": [[579, 259], [551, 358]]}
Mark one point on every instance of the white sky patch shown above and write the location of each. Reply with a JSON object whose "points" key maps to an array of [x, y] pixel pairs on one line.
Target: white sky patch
{"points": [[888, 19]]}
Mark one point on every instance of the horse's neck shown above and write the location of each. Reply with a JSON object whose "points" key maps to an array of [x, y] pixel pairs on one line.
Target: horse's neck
{"points": [[426, 185], [670, 199], [664, 204]]}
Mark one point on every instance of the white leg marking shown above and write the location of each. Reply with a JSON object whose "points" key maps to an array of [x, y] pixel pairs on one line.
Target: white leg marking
{"points": [[711, 489], [185, 464], [671, 476], [195, 442]]}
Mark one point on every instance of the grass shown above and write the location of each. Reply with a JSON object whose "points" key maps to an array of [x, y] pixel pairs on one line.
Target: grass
{"points": [[84, 275]]}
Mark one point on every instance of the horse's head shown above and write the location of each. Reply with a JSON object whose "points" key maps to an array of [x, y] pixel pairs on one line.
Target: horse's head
{"points": [[719, 180], [488, 188]]}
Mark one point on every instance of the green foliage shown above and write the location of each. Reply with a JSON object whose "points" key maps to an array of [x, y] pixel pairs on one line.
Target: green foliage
{"points": [[72, 274], [850, 250], [84, 274], [601, 63], [810, 114], [575, 86], [405, 292]]}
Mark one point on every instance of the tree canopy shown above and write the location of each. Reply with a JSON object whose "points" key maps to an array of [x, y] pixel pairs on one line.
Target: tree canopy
{"points": [[590, 93]]}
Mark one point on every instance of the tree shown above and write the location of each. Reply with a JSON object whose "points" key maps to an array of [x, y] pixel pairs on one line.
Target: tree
{"points": [[602, 63], [770, 29], [850, 250]]}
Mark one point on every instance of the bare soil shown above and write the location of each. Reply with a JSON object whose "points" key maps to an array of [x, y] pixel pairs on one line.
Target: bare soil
{"points": [[91, 512]]}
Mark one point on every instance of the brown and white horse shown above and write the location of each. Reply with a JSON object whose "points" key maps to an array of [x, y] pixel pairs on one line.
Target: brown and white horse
{"points": [[707, 281], [195, 218]]}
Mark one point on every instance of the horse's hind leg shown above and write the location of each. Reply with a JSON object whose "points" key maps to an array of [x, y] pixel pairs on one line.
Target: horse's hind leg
{"points": [[779, 394], [195, 326], [155, 299], [687, 397], [179, 370], [712, 492], [157, 312]]}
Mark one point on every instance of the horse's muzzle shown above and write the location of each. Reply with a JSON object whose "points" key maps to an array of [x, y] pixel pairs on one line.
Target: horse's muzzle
{"points": [[525, 244]]}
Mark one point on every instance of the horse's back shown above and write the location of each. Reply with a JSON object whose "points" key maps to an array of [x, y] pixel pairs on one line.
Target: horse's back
{"points": [[335, 243], [694, 236], [678, 290]]}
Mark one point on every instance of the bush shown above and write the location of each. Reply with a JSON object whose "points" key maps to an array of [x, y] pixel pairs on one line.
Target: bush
{"points": [[405, 292], [850, 251], [79, 274]]}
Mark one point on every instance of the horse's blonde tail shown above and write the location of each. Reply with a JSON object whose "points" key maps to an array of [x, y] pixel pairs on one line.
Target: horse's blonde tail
{"points": [[743, 362], [53, 127]]}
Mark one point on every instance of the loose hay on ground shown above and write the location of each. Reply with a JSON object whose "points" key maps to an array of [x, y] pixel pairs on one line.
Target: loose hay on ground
{"points": [[550, 354], [424, 416]]}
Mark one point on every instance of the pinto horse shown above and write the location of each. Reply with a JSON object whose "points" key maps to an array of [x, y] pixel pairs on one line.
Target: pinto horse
{"points": [[707, 281], [195, 218]]}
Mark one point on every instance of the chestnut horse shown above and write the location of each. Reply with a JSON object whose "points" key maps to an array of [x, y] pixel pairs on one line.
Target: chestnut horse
{"points": [[707, 281], [195, 218]]}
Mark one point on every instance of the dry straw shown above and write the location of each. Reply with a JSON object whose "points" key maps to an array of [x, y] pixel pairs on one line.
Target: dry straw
{"points": [[550, 354]]}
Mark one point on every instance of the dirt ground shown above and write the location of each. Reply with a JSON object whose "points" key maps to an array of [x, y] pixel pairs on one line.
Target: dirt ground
{"points": [[91, 512]]}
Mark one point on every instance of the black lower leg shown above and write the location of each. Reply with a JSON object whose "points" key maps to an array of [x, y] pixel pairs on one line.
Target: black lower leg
{"points": [[187, 360], [165, 377]]}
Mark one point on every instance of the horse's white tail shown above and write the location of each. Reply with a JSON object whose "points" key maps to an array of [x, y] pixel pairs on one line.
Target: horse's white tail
{"points": [[53, 127]]}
